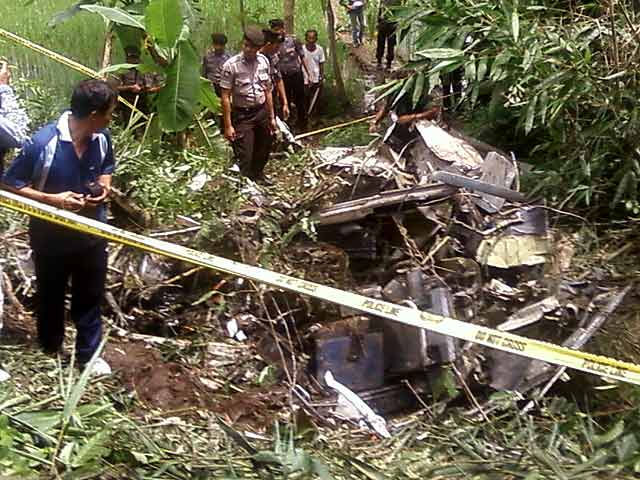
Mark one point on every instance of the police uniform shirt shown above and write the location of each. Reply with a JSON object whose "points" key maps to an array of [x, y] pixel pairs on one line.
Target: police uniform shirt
{"points": [[248, 81], [212, 65], [290, 53], [274, 61]]}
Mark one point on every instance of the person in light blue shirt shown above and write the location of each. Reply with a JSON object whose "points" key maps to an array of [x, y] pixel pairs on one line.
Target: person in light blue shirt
{"points": [[69, 164]]}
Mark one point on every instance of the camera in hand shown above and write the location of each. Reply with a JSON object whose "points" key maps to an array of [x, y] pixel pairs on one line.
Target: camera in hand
{"points": [[95, 189]]}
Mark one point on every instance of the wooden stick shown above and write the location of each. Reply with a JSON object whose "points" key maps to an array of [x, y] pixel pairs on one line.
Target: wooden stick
{"points": [[334, 127]]}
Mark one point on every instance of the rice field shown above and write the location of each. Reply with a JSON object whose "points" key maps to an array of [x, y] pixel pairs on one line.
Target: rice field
{"points": [[82, 37]]}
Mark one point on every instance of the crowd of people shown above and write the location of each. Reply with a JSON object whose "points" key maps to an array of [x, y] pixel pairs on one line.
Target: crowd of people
{"points": [[274, 74], [69, 163]]}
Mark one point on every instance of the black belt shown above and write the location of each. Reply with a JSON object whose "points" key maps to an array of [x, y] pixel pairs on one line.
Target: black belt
{"points": [[249, 110]]}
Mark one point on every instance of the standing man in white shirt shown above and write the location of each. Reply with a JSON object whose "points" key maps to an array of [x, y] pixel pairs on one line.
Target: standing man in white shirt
{"points": [[314, 75]]}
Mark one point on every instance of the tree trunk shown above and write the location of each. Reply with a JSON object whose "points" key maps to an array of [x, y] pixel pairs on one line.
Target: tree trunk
{"points": [[289, 9], [333, 46], [108, 49], [242, 15]]}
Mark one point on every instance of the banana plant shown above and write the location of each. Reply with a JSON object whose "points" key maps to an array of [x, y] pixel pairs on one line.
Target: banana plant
{"points": [[164, 28]]}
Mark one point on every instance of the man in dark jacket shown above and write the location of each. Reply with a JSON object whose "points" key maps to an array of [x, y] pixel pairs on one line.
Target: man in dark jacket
{"points": [[292, 62], [386, 32], [214, 60]]}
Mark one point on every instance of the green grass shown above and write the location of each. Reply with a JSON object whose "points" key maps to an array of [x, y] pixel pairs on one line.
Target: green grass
{"points": [[82, 37]]}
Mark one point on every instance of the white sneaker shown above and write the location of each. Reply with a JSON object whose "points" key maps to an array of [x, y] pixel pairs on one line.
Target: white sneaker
{"points": [[100, 367]]}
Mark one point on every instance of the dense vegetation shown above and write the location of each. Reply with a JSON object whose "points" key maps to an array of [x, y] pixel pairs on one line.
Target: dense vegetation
{"points": [[545, 78], [554, 80]]}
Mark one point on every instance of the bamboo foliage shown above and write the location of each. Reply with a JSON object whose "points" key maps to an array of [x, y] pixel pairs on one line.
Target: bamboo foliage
{"points": [[562, 79]]}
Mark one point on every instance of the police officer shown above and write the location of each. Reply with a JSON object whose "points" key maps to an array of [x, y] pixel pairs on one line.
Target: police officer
{"points": [[247, 105], [214, 59], [270, 50], [135, 87], [292, 62]]}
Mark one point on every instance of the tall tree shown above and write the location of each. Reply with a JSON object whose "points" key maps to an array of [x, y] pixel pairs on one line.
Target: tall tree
{"points": [[289, 9], [333, 45]]}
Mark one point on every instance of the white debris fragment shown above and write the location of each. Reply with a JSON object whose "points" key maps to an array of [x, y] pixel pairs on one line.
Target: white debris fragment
{"points": [[356, 408], [234, 330], [199, 181]]}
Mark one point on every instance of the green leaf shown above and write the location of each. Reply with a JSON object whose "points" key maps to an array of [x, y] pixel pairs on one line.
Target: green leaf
{"points": [[44, 421], [408, 84], [65, 453], [439, 53], [208, 99], [115, 15], [544, 105], [531, 115], [515, 23], [164, 22], [610, 436], [119, 67], [470, 72], [69, 13], [482, 68], [178, 99], [93, 449], [71, 402], [418, 89], [627, 447]]}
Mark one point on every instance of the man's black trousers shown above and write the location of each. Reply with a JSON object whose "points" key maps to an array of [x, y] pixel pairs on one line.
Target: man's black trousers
{"points": [[294, 87], [87, 270], [386, 37], [253, 140]]}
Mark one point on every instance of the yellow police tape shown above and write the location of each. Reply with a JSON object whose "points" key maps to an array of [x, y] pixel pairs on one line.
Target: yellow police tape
{"points": [[586, 362]]}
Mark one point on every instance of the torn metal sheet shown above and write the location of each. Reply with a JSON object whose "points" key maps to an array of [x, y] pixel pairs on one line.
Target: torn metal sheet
{"points": [[287, 135], [358, 410], [499, 171], [508, 251], [533, 221], [352, 352], [449, 148], [357, 209], [478, 186], [501, 290], [358, 160], [538, 371], [529, 314], [409, 349]]}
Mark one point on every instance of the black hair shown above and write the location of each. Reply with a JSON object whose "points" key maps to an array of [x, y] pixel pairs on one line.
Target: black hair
{"points": [[272, 37], [254, 36], [92, 96], [132, 50], [219, 38], [276, 23], [311, 31]]}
